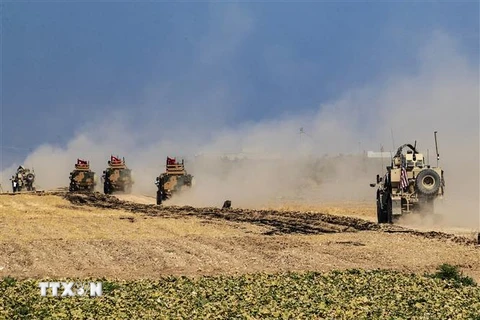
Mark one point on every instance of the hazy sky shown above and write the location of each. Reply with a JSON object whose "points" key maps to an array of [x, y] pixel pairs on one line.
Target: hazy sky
{"points": [[66, 66]]}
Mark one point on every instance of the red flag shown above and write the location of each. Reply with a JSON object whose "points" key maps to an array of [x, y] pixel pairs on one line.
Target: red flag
{"points": [[114, 159], [170, 161]]}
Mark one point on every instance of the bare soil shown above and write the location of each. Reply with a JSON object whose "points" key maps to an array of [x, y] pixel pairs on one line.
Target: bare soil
{"points": [[78, 235]]}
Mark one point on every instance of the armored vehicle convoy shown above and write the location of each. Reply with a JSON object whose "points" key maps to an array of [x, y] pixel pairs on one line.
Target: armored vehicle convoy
{"points": [[82, 178], [23, 180], [173, 180], [409, 185], [117, 177]]}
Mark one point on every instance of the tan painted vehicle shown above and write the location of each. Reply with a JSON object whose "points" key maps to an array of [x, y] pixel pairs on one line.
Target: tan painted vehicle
{"points": [[82, 178], [173, 180], [23, 180], [117, 177], [410, 185]]}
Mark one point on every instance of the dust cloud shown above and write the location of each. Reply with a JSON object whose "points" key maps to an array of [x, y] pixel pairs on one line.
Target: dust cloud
{"points": [[275, 162]]}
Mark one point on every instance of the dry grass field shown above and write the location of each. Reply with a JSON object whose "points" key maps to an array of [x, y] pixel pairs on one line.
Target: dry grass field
{"points": [[52, 236]]}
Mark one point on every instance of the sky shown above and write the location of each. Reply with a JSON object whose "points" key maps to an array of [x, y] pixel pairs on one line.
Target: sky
{"points": [[147, 80], [67, 64]]}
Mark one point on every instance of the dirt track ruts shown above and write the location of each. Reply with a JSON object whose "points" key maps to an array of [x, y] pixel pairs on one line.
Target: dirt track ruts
{"points": [[279, 222]]}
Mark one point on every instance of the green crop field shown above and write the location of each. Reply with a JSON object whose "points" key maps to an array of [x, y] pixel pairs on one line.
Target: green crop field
{"points": [[207, 263], [351, 294]]}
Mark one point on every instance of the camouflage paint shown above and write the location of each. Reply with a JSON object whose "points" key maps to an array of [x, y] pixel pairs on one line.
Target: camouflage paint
{"points": [[117, 178]]}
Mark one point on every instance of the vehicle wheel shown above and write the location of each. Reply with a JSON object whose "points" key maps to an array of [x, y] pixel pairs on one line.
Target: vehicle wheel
{"points": [[159, 197], [389, 209], [381, 213], [106, 188], [428, 182], [427, 206]]}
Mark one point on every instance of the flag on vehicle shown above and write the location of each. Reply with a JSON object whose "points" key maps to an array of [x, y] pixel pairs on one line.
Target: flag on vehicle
{"points": [[115, 160], [403, 178]]}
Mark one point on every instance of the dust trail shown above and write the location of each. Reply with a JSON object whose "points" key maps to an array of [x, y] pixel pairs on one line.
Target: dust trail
{"points": [[441, 96]]}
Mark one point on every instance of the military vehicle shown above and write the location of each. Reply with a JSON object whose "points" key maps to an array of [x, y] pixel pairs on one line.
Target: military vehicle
{"points": [[82, 178], [409, 185], [23, 180], [117, 177], [173, 180]]}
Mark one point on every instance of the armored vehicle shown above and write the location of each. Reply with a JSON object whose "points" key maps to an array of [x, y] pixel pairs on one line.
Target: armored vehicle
{"points": [[23, 180], [82, 178], [173, 180], [409, 185], [117, 177]]}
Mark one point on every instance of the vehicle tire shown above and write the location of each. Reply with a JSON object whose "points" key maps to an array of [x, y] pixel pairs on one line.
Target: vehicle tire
{"points": [[106, 188], [427, 207], [159, 197], [428, 182], [30, 177], [389, 209], [381, 213]]}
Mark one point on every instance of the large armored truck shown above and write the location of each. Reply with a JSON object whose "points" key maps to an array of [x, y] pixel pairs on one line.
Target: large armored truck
{"points": [[82, 178], [409, 185], [117, 177], [23, 180], [173, 180]]}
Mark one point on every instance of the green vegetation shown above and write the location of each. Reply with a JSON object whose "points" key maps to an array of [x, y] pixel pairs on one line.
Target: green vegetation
{"points": [[449, 272], [354, 294]]}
